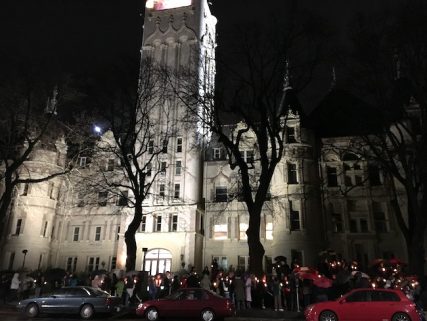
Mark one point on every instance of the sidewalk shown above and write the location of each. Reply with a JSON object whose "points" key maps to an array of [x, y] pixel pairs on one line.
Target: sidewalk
{"points": [[267, 314]]}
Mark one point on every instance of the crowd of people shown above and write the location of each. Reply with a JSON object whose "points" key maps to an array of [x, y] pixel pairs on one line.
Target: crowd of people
{"points": [[285, 288]]}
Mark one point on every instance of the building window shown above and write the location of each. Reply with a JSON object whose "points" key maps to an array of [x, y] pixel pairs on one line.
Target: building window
{"points": [[177, 191], [143, 224], [332, 176], [242, 263], [76, 234], [337, 223], [221, 194], [290, 135], [295, 224], [26, 190], [165, 146], [149, 169], [11, 260], [220, 232], [102, 198], [380, 219], [113, 263], [292, 173], [248, 156], [93, 264], [98, 233], [374, 175], [353, 175], [51, 190], [222, 262], [243, 227], [123, 198], [162, 190], [269, 230], [174, 223], [178, 167], [179, 145], [44, 232], [163, 168], [217, 153], [118, 233], [110, 165], [18, 228], [359, 225], [82, 161], [151, 147], [71, 264], [158, 223]]}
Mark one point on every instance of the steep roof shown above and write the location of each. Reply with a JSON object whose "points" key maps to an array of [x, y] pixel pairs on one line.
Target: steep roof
{"points": [[340, 113]]}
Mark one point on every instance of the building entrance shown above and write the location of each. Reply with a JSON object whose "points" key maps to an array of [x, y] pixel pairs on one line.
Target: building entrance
{"points": [[157, 261]]}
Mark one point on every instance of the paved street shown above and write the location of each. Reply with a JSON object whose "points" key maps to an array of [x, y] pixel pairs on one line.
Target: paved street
{"points": [[9, 313]]}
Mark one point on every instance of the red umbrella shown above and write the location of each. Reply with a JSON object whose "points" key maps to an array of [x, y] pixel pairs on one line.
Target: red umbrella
{"points": [[322, 282], [305, 272], [394, 261]]}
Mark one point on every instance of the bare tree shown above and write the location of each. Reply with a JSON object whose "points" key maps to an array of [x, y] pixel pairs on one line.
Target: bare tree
{"points": [[127, 159], [252, 96], [389, 69]]}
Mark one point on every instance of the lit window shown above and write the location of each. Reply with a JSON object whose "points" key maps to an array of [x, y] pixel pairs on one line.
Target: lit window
{"points": [[243, 228], [220, 232], [269, 231]]}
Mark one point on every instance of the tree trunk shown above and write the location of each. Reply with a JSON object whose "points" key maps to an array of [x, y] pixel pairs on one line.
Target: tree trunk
{"points": [[131, 247], [256, 249]]}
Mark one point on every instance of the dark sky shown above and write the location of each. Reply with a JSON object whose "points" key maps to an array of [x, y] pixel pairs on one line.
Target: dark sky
{"points": [[82, 35]]}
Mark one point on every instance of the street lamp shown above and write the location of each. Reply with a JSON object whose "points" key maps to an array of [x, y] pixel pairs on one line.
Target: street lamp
{"points": [[144, 250], [25, 254]]}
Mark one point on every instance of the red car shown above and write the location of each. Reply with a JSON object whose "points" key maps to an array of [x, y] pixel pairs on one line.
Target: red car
{"points": [[189, 303], [366, 305]]}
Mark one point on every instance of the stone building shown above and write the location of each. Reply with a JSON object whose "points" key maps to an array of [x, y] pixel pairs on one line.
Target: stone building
{"points": [[194, 214]]}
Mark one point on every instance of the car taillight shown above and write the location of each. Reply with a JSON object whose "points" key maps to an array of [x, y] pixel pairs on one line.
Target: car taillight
{"points": [[108, 301]]}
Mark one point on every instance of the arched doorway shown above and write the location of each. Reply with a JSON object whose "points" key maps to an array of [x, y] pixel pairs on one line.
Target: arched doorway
{"points": [[157, 261]]}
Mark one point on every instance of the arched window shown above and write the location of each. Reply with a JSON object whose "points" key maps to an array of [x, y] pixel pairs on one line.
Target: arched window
{"points": [[157, 261]]}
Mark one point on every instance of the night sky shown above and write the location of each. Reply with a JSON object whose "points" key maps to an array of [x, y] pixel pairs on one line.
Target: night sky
{"points": [[84, 35]]}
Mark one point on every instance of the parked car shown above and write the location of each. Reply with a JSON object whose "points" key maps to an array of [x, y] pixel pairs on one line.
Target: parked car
{"points": [[83, 300], [188, 303], [366, 305]]}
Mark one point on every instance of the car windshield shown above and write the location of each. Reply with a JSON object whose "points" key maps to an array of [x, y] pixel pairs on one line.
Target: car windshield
{"points": [[97, 292]]}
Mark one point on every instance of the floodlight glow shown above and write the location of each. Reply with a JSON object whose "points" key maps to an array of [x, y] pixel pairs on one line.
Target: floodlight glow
{"points": [[97, 129], [166, 4]]}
